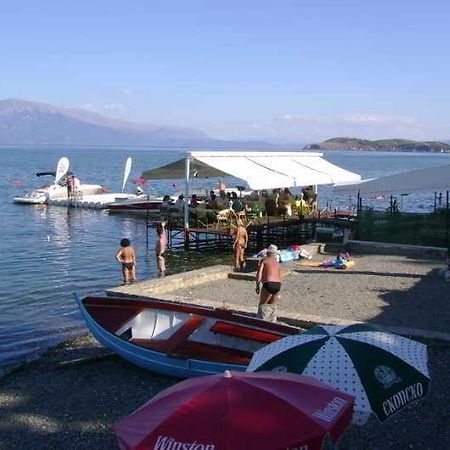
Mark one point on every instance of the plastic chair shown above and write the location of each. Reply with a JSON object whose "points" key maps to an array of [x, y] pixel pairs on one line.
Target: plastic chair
{"points": [[223, 218]]}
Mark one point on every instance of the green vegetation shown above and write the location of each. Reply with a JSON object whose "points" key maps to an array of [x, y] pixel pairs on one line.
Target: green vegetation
{"points": [[387, 145], [403, 228]]}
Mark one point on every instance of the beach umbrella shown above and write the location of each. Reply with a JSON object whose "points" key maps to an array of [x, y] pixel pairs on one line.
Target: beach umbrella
{"points": [[239, 411], [385, 372]]}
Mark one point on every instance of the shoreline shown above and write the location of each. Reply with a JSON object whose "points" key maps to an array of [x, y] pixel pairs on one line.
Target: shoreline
{"points": [[71, 395]]}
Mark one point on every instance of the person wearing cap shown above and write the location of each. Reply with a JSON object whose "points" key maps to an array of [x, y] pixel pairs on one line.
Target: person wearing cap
{"points": [[268, 285]]}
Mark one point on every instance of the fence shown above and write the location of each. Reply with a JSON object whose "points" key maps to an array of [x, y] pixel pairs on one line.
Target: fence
{"points": [[405, 228]]}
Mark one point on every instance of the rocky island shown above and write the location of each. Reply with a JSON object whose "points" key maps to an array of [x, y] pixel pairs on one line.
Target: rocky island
{"points": [[385, 145]]}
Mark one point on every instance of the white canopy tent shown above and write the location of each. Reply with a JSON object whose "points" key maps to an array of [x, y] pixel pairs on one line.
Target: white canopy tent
{"points": [[260, 170], [435, 178]]}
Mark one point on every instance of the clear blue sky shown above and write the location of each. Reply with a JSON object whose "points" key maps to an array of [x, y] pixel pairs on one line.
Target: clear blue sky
{"points": [[286, 70]]}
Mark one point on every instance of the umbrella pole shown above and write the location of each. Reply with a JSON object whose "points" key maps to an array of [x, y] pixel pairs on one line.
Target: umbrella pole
{"points": [[447, 232], [186, 196]]}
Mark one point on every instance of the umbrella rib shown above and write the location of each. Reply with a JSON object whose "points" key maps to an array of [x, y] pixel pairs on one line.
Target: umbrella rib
{"points": [[287, 399], [388, 352]]}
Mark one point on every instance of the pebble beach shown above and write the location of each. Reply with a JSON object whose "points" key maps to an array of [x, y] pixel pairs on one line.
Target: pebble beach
{"points": [[71, 396]]}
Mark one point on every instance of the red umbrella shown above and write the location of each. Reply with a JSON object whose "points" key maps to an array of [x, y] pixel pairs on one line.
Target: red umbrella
{"points": [[237, 411]]}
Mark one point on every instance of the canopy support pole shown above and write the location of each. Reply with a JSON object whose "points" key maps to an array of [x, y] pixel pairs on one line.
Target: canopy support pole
{"points": [[186, 197], [316, 196], [447, 226]]}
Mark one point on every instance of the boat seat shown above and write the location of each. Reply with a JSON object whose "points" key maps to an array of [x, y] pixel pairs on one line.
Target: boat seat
{"points": [[231, 329], [173, 342], [213, 353]]}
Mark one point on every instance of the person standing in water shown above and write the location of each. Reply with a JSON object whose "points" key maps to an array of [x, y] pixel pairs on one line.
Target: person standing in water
{"points": [[239, 246], [127, 256], [160, 248], [268, 285], [70, 187]]}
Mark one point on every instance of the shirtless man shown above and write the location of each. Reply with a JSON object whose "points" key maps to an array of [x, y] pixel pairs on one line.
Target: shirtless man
{"points": [[269, 275], [239, 246], [127, 256], [160, 248]]}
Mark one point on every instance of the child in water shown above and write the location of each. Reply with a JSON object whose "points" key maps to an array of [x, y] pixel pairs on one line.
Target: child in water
{"points": [[126, 255], [160, 248]]}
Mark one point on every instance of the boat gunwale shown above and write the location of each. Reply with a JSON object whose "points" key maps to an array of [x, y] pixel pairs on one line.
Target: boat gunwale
{"points": [[216, 313]]}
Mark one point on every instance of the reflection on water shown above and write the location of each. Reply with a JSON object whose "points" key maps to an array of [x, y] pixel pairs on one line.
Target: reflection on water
{"points": [[59, 251]]}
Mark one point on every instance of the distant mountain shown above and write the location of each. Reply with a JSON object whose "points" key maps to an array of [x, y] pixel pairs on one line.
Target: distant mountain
{"points": [[31, 123], [386, 145]]}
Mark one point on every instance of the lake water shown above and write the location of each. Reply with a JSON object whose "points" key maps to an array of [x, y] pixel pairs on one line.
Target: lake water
{"points": [[51, 252]]}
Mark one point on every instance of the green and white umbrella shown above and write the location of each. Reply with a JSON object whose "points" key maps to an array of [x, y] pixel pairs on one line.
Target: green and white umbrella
{"points": [[383, 371]]}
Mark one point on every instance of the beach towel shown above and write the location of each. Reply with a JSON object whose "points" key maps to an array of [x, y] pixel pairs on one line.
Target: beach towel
{"points": [[309, 263], [286, 255]]}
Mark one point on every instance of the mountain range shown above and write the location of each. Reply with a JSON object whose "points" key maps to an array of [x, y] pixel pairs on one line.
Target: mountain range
{"points": [[35, 124], [31, 123]]}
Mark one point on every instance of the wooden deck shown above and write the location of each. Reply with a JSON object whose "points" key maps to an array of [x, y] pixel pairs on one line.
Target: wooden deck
{"points": [[262, 230]]}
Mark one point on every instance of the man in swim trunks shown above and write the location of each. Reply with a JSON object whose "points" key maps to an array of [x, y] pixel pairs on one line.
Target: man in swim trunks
{"points": [[160, 248], [239, 246], [127, 256], [269, 276]]}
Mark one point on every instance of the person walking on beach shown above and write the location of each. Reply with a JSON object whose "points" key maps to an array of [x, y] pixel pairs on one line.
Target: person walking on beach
{"points": [[127, 256], [268, 285], [239, 246], [160, 248]]}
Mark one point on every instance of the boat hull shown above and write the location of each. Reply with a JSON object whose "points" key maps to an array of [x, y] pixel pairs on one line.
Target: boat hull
{"points": [[55, 192], [172, 361], [32, 199], [136, 205]]}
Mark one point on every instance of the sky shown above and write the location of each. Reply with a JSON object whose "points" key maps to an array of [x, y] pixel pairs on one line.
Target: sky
{"points": [[281, 70]]}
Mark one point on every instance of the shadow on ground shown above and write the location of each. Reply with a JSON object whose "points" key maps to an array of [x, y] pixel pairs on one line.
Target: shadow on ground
{"points": [[46, 406]]}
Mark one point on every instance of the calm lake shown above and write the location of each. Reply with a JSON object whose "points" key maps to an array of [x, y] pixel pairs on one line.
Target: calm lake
{"points": [[51, 252]]}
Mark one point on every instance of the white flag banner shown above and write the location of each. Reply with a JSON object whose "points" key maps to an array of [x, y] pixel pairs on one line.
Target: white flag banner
{"points": [[127, 172], [61, 169]]}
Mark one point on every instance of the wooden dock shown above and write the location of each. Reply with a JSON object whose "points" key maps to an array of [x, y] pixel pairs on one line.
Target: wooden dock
{"points": [[282, 230]]}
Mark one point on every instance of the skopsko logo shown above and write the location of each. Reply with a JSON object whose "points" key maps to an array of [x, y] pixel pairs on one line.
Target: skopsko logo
{"points": [[402, 398], [386, 376], [169, 443]]}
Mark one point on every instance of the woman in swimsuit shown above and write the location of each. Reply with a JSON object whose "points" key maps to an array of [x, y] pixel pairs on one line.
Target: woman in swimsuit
{"points": [[127, 256], [239, 246]]}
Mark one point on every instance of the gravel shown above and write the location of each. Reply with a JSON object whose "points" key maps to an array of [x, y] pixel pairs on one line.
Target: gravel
{"points": [[72, 395], [383, 290], [44, 406]]}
